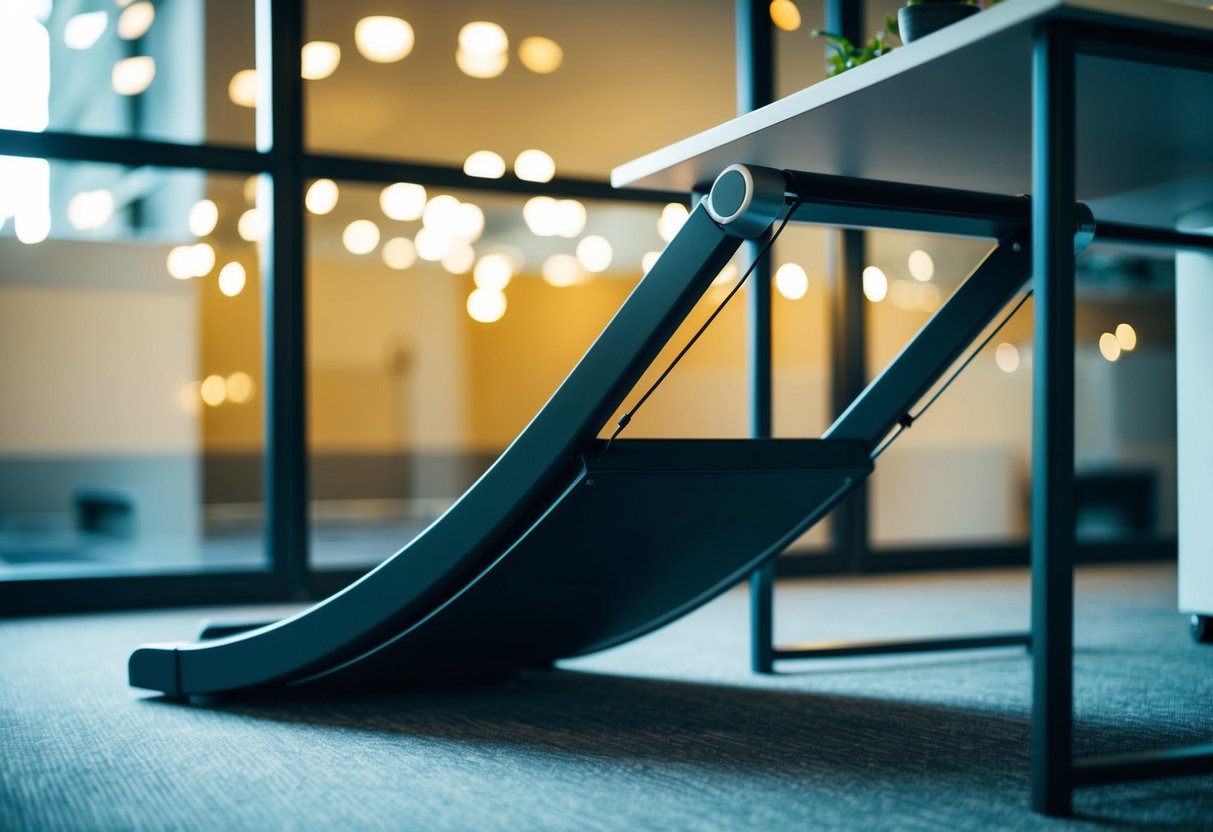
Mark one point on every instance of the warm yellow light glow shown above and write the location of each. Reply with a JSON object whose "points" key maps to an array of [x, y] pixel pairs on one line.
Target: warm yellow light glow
{"points": [[180, 262], [203, 217], [360, 237], [483, 38], [188, 398], [319, 59], [648, 260], [540, 213], [383, 40], [875, 284], [202, 259], [460, 258], [252, 226], [83, 30], [433, 244], [791, 281], [132, 76], [441, 213], [541, 55], [493, 272], [240, 387], [594, 253], [673, 216], [32, 226], [135, 20], [321, 197], [242, 89], [476, 65], [484, 164], [486, 305], [1126, 336], [927, 297], [1109, 347], [570, 218], [534, 166], [468, 222], [402, 201], [1006, 356], [399, 253], [922, 267], [232, 279], [562, 270], [213, 390], [727, 275], [88, 210], [785, 15], [904, 294], [250, 189]]}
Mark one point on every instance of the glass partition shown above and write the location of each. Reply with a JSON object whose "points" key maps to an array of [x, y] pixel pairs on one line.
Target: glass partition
{"points": [[589, 85], [173, 71], [961, 475], [130, 356]]}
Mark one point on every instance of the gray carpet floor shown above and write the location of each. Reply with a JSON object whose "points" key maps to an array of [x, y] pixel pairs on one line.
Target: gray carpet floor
{"points": [[670, 732]]}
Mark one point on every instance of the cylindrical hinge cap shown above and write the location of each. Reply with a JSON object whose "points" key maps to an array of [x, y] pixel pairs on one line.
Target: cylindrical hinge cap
{"points": [[746, 199]]}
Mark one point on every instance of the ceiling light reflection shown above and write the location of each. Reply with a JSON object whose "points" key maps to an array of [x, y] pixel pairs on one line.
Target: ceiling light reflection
{"points": [[540, 55], [132, 76], [484, 164], [399, 253], [1126, 336], [83, 30], [791, 281], [135, 20], [242, 89], [319, 59], [384, 39], [232, 278], [403, 201], [493, 272], [534, 166], [875, 284], [785, 15], [594, 253], [561, 270], [321, 197], [360, 237], [204, 215], [922, 267], [486, 306]]}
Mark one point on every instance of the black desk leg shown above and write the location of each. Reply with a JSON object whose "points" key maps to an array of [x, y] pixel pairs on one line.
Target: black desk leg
{"points": [[1053, 537]]}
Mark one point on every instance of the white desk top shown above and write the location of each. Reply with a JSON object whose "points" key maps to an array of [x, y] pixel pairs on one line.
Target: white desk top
{"points": [[954, 110]]}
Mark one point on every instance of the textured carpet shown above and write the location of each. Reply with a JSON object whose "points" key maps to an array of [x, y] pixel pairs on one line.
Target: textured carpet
{"points": [[671, 732]]}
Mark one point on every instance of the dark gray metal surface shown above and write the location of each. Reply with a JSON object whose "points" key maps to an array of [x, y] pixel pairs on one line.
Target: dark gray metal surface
{"points": [[460, 544]]}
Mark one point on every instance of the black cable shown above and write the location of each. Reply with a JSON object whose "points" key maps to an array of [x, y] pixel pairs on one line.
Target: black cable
{"points": [[906, 420], [626, 418]]}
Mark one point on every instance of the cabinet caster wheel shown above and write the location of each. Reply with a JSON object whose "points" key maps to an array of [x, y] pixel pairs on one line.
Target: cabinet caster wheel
{"points": [[1201, 627]]}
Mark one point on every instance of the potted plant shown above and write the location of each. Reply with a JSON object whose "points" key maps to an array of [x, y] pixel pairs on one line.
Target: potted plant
{"points": [[919, 18], [845, 55]]}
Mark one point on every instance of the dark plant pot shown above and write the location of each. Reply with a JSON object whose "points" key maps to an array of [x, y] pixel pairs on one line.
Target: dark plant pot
{"points": [[920, 20]]}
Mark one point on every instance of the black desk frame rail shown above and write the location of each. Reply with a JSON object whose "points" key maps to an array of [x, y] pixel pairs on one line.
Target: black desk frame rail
{"points": [[1051, 215]]}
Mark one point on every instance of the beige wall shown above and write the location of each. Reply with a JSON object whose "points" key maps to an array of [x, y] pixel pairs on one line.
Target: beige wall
{"points": [[94, 350]]}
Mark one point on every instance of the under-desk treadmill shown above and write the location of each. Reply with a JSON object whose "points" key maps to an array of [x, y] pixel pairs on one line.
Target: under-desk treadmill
{"points": [[570, 544]]}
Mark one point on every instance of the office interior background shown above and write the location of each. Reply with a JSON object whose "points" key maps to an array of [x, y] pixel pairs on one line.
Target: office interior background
{"points": [[460, 249]]}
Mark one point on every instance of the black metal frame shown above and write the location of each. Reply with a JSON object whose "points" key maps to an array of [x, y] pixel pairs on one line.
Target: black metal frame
{"points": [[1055, 772]]}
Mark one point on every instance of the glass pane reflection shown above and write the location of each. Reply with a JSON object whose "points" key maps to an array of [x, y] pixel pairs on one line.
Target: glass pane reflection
{"points": [[126, 368]]}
